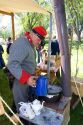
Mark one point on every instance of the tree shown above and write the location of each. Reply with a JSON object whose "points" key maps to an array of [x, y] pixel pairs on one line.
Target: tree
{"points": [[59, 10], [74, 10], [29, 20]]}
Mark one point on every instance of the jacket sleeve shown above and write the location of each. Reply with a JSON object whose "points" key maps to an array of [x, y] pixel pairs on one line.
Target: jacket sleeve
{"points": [[18, 52]]}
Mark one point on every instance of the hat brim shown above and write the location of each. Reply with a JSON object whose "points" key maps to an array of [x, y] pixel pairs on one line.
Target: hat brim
{"points": [[41, 37], [42, 42]]}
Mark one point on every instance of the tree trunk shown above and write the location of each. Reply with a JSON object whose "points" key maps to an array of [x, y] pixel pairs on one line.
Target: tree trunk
{"points": [[59, 10]]}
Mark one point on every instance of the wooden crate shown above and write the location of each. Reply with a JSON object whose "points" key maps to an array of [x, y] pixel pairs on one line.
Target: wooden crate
{"points": [[66, 113], [79, 83]]}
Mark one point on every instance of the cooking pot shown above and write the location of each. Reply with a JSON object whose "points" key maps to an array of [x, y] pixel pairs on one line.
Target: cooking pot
{"points": [[54, 93]]}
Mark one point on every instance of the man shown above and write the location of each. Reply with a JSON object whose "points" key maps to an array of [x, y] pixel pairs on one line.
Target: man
{"points": [[55, 47], [22, 63], [55, 51], [9, 43]]}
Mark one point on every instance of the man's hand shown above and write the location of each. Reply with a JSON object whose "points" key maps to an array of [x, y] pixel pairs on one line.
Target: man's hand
{"points": [[32, 81]]}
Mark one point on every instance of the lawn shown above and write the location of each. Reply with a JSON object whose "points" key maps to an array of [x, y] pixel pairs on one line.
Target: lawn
{"points": [[80, 62], [7, 95], [76, 116]]}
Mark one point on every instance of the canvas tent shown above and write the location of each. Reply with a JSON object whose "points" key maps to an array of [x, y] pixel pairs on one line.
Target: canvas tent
{"points": [[16, 6], [9, 7]]}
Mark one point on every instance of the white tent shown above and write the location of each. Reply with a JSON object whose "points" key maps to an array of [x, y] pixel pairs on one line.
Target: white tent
{"points": [[9, 7], [16, 6]]}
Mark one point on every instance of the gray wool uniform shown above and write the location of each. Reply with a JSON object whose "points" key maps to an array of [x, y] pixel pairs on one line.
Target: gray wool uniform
{"points": [[22, 56]]}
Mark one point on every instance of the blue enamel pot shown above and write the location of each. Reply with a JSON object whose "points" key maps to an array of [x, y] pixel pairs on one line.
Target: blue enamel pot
{"points": [[41, 86]]}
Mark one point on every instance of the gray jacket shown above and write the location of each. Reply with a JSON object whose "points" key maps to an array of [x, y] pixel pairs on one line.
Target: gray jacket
{"points": [[22, 56]]}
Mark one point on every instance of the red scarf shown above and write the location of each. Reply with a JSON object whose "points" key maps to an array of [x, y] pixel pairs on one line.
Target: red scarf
{"points": [[27, 34]]}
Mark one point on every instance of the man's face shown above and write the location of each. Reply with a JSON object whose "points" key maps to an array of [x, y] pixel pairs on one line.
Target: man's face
{"points": [[35, 39]]}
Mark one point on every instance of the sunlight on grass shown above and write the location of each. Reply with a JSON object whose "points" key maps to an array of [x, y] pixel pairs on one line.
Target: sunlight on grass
{"points": [[6, 95], [5, 55], [80, 63]]}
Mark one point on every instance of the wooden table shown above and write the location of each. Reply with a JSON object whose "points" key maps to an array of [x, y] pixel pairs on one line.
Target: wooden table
{"points": [[65, 111], [59, 107]]}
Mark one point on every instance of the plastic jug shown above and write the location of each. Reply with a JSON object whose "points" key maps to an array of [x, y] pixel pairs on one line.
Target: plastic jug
{"points": [[41, 86]]}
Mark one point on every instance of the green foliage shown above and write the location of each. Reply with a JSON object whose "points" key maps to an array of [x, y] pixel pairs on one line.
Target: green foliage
{"points": [[45, 4], [29, 20], [75, 43], [5, 34], [74, 12]]}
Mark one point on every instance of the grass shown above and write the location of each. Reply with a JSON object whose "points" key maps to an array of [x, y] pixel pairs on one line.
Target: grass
{"points": [[75, 116], [80, 62], [6, 95], [5, 92]]}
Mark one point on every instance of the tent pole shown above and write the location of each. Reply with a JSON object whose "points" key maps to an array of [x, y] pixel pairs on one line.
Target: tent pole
{"points": [[49, 46], [13, 27]]}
